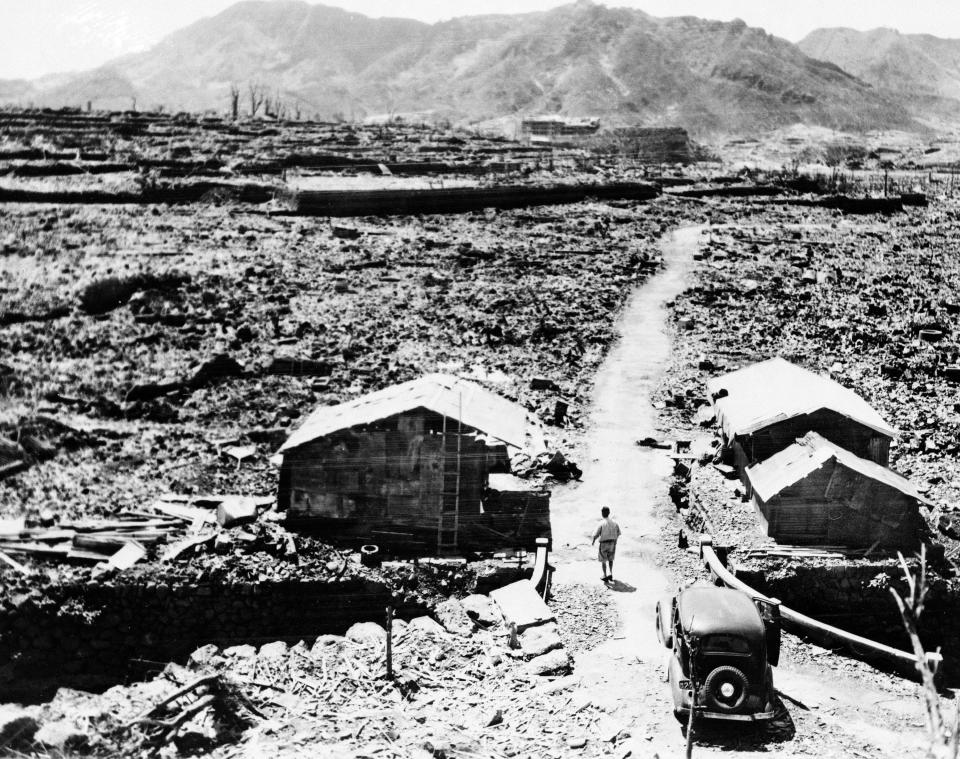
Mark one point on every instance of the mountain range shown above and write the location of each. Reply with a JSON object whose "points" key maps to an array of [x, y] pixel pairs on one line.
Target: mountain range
{"points": [[582, 59], [920, 70]]}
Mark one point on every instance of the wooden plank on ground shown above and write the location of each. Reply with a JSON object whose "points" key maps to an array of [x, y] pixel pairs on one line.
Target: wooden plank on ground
{"points": [[187, 513], [127, 556], [12, 527], [175, 549], [13, 563]]}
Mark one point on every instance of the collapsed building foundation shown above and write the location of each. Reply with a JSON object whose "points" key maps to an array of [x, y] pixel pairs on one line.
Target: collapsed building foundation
{"points": [[457, 199], [94, 634], [854, 595]]}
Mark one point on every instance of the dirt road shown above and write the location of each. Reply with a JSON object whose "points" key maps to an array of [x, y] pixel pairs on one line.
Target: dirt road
{"points": [[832, 707]]}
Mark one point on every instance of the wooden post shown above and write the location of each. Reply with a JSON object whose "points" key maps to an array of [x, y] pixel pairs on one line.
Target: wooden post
{"points": [[693, 644], [389, 642]]}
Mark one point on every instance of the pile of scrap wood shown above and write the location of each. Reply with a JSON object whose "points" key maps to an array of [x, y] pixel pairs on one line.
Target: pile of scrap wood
{"points": [[177, 523]]}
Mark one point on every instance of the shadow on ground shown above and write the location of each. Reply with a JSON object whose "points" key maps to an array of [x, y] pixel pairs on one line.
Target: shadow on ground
{"points": [[746, 736]]}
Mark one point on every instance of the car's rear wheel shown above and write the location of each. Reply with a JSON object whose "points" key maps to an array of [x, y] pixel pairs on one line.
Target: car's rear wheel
{"points": [[726, 689]]}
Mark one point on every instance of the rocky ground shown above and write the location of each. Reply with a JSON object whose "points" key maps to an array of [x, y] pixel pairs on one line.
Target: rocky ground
{"points": [[143, 344], [870, 301], [136, 353]]}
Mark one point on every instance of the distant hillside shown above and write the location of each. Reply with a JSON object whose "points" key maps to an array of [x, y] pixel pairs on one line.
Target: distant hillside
{"points": [[581, 59], [915, 67]]}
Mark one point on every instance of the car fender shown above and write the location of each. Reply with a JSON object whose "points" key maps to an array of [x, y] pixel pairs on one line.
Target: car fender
{"points": [[664, 621]]}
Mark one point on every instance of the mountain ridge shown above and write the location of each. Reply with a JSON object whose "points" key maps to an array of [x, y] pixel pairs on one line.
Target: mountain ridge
{"points": [[911, 66], [582, 59]]}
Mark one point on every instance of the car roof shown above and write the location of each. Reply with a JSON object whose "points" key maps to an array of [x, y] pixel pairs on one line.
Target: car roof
{"points": [[707, 610]]}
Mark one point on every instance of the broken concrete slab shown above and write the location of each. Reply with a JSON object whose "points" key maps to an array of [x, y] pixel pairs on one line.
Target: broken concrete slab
{"points": [[609, 730], [556, 662], [427, 625], [236, 510], [326, 645], [521, 605], [562, 683], [243, 651], [482, 610], [454, 618], [541, 639], [275, 650], [367, 633], [204, 655], [62, 734]]}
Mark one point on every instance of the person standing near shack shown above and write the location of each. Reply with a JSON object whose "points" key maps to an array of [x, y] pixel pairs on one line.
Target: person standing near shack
{"points": [[607, 533]]}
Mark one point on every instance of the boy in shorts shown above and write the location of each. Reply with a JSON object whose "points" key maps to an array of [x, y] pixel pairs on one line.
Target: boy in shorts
{"points": [[607, 532]]}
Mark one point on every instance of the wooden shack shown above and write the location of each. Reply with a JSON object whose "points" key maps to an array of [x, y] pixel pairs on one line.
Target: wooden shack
{"points": [[410, 466], [815, 492], [762, 409]]}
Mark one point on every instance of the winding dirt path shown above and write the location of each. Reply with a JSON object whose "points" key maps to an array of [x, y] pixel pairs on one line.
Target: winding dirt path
{"points": [[826, 713], [623, 676]]}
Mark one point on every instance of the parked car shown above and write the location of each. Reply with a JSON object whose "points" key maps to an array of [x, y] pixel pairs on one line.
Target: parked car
{"points": [[724, 643]]}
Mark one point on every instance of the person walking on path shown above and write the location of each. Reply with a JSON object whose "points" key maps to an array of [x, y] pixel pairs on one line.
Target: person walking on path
{"points": [[607, 532]]}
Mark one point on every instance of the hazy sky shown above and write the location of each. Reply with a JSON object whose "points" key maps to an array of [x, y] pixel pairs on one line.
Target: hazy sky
{"points": [[45, 36]]}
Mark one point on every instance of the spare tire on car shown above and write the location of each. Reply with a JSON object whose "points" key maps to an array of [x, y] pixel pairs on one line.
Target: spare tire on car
{"points": [[725, 688]]}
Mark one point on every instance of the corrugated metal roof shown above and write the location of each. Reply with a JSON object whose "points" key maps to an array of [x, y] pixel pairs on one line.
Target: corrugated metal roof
{"points": [[808, 454], [477, 408], [774, 390]]}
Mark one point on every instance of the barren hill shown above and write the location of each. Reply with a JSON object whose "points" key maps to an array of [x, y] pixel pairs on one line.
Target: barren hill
{"points": [[579, 59], [917, 67]]}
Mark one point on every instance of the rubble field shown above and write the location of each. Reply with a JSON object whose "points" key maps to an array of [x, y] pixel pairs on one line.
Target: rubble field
{"points": [[871, 302], [159, 353], [174, 350], [458, 687]]}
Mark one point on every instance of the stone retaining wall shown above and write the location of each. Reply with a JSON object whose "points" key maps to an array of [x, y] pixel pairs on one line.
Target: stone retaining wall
{"points": [[856, 596], [94, 635]]}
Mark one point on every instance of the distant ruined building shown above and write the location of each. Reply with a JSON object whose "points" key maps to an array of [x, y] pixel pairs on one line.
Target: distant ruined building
{"points": [[557, 129], [646, 145]]}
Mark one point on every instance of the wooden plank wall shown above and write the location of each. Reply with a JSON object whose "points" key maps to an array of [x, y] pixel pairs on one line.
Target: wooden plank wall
{"points": [[857, 438], [391, 477], [837, 506]]}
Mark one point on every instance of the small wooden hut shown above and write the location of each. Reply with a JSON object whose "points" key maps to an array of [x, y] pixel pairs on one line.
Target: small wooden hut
{"points": [[815, 492], [764, 408], [410, 466]]}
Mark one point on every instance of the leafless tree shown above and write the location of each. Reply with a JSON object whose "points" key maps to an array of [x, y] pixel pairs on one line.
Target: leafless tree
{"points": [[256, 92], [274, 106], [279, 106], [943, 728], [234, 101]]}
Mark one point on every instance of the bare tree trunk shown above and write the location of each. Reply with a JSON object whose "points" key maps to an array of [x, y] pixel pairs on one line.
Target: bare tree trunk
{"points": [[255, 91], [234, 101], [944, 739]]}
